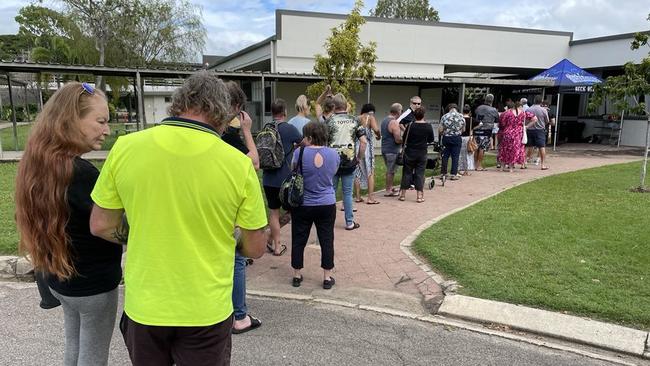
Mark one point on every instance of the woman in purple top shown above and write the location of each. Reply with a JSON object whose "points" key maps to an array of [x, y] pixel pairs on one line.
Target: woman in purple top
{"points": [[319, 165]]}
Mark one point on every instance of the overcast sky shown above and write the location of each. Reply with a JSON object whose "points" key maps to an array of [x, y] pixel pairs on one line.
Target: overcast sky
{"points": [[233, 25]]}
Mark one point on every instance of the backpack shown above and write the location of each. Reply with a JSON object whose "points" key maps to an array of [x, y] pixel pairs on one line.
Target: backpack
{"points": [[292, 190], [269, 147]]}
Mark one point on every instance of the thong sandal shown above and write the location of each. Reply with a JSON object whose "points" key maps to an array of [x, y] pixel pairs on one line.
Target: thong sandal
{"points": [[401, 199], [354, 226], [281, 252], [373, 202], [358, 200], [392, 194], [255, 323], [419, 200]]}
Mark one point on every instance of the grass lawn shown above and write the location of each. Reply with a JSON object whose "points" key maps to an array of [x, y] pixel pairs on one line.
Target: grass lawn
{"points": [[7, 137], [575, 242]]}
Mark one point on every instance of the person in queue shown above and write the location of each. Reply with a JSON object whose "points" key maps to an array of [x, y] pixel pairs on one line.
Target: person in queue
{"points": [[417, 136], [452, 125], [238, 135], [318, 165], [391, 139], [53, 207], [184, 191]]}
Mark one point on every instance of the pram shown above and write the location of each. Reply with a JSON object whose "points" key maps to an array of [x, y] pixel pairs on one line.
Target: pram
{"points": [[433, 161]]}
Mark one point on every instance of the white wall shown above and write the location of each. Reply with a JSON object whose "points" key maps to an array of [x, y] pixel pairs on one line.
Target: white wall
{"points": [[605, 53], [155, 108], [420, 50]]}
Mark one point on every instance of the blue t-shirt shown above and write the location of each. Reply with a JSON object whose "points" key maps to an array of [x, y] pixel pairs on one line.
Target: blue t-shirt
{"points": [[318, 188], [289, 136], [299, 122]]}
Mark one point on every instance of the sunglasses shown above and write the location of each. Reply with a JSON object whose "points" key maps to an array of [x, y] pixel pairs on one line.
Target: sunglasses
{"points": [[87, 88], [416, 103]]}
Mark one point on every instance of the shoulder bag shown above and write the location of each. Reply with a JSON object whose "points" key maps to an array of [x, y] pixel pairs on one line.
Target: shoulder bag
{"points": [[400, 155]]}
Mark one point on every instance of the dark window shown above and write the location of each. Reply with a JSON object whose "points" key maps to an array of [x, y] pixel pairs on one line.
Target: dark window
{"points": [[168, 99]]}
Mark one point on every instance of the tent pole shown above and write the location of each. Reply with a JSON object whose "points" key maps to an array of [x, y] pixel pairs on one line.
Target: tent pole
{"points": [[557, 120], [620, 131]]}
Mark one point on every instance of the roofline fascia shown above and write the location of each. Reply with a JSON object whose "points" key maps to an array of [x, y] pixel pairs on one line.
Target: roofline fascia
{"points": [[279, 12], [250, 48], [613, 37]]}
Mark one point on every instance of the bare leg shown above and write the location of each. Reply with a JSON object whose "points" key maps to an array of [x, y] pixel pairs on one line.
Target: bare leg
{"points": [[389, 183], [357, 191], [274, 223], [371, 187], [542, 157], [479, 159]]}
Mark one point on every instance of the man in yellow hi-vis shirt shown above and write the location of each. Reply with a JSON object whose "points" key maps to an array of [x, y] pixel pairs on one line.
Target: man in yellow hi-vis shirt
{"points": [[183, 190]]}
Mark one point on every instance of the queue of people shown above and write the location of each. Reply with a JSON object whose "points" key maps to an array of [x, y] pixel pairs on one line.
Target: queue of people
{"points": [[185, 199]]}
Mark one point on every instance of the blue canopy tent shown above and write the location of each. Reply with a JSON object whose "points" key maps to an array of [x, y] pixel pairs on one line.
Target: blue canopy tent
{"points": [[568, 78]]}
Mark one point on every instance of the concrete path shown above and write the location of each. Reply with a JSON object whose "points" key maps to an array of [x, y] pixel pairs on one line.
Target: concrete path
{"points": [[371, 267]]}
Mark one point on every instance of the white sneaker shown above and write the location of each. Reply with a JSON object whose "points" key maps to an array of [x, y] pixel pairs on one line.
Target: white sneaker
{"points": [[537, 161]]}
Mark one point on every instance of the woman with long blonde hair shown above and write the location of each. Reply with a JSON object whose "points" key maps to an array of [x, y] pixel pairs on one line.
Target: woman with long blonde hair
{"points": [[53, 208]]}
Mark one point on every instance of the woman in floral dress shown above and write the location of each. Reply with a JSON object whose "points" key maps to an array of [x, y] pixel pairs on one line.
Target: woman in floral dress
{"points": [[511, 130]]}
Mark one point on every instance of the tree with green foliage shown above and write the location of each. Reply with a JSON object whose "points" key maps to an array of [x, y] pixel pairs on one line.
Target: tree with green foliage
{"points": [[348, 63], [624, 91], [405, 9]]}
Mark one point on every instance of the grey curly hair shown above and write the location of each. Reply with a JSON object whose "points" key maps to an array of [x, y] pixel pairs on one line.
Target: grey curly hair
{"points": [[203, 93]]}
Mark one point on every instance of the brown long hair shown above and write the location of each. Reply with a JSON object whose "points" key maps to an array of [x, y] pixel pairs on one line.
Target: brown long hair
{"points": [[44, 174]]}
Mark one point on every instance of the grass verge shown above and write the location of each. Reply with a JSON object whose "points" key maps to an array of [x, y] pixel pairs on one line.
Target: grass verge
{"points": [[575, 242]]}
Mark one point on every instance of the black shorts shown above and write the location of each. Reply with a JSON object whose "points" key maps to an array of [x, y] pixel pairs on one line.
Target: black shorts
{"points": [[272, 197], [536, 138]]}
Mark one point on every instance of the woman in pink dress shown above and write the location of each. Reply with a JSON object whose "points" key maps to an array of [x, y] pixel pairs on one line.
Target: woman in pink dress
{"points": [[511, 129]]}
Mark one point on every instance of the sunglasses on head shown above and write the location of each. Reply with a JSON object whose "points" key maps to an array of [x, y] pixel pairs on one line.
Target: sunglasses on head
{"points": [[87, 88]]}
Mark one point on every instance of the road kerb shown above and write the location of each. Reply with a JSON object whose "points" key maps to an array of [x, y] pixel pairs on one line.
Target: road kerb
{"points": [[441, 320], [572, 328]]}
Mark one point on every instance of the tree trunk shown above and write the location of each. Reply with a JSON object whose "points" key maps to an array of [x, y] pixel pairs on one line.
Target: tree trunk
{"points": [[644, 167]]}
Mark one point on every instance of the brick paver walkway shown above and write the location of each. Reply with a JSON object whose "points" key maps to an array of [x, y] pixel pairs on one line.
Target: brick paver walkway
{"points": [[370, 258]]}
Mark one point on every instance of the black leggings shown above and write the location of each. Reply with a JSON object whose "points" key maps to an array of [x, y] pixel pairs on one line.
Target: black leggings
{"points": [[413, 171], [301, 220]]}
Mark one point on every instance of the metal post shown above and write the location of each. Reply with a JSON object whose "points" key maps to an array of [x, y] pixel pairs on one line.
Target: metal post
{"points": [[25, 104], [13, 112], [620, 131], [263, 114], [557, 120], [543, 93], [142, 120], [368, 92], [461, 98]]}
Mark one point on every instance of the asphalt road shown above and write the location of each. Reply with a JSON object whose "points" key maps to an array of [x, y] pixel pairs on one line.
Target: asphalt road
{"points": [[292, 333]]}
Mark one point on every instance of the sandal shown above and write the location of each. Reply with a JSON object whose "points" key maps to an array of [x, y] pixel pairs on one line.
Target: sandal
{"points": [[354, 226], [353, 209], [419, 200], [327, 284], [544, 168], [392, 194], [296, 281], [373, 202], [358, 200], [270, 248], [255, 323], [401, 198]]}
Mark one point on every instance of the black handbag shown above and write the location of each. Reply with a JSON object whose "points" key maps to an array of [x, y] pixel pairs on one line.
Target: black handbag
{"points": [[292, 189], [400, 155]]}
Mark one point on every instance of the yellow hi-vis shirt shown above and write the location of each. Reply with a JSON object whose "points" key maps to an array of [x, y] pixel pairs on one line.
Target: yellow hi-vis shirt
{"points": [[183, 190]]}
